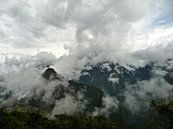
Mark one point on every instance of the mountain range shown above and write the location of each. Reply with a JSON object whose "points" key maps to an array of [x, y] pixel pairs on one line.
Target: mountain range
{"points": [[106, 88]]}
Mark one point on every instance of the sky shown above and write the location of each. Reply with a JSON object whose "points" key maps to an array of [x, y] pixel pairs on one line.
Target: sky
{"points": [[86, 27]]}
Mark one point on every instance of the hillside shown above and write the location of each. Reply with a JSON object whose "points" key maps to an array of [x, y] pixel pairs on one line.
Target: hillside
{"points": [[32, 118]]}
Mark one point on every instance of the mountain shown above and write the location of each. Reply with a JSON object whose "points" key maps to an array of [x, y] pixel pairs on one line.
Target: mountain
{"points": [[81, 97], [132, 86], [121, 92], [113, 77]]}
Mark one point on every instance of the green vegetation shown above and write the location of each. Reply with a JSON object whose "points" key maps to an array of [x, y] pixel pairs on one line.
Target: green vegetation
{"points": [[31, 118], [162, 114]]}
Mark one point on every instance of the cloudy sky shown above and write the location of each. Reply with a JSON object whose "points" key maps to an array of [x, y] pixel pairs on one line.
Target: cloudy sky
{"points": [[86, 27], [83, 32]]}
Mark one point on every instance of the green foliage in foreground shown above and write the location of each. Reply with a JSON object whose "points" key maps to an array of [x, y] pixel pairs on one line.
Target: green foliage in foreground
{"points": [[24, 118], [163, 114]]}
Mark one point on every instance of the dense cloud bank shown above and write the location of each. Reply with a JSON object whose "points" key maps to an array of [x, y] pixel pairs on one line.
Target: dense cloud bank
{"points": [[22, 82], [22, 79]]}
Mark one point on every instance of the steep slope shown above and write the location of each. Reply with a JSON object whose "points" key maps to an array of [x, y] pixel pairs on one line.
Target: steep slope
{"points": [[113, 77]]}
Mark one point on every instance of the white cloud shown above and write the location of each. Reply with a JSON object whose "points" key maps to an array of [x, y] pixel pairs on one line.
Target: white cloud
{"points": [[104, 29], [141, 94]]}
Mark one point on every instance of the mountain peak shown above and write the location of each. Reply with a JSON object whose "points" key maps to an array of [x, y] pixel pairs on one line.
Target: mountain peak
{"points": [[51, 74]]}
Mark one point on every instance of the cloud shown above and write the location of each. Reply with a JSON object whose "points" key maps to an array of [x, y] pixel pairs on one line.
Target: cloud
{"points": [[27, 20], [110, 104], [68, 105], [96, 29], [19, 24], [21, 82], [140, 95], [158, 53]]}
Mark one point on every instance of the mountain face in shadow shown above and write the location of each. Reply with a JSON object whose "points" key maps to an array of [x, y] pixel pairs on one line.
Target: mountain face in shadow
{"points": [[51, 74], [113, 77]]}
